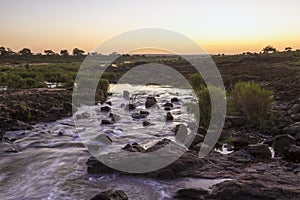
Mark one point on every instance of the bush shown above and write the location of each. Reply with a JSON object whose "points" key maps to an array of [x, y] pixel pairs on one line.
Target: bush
{"points": [[204, 102], [252, 100], [196, 81]]}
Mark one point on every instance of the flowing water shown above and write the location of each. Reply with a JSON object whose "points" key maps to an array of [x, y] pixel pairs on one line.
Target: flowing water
{"points": [[49, 161]]}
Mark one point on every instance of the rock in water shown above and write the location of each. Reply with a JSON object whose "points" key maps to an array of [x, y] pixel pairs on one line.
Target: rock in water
{"points": [[111, 195], [169, 117], [174, 100], [105, 109], [150, 101], [168, 105], [106, 122], [146, 123], [130, 107]]}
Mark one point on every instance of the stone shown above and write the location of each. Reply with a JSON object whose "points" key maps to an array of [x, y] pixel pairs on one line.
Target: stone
{"points": [[294, 153], [130, 107], [111, 195], [138, 116], [106, 122], [296, 117], [169, 117], [292, 129], [105, 109], [240, 140], [168, 105], [144, 112], [236, 121], [174, 100], [294, 109], [108, 103], [135, 147], [103, 139], [150, 101], [114, 117], [191, 193], [282, 143], [260, 151], [167, 108], [146, 123]]}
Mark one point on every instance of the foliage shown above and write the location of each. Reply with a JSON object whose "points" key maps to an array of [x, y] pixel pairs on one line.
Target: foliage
{"points": [[196, 81], [204, 101], [252, 100]]}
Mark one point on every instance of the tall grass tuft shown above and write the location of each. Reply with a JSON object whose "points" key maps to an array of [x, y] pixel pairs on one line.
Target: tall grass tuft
{"points": [[254, 101]]}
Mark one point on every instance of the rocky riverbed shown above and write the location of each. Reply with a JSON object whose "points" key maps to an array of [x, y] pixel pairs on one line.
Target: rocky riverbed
{"points": [[50, 160]]}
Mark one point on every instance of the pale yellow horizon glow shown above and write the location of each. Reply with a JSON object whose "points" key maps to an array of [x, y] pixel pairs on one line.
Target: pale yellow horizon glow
{"points": [[232, 26]]}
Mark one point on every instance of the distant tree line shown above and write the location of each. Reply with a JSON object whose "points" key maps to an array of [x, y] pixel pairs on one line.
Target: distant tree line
{"points": [[27, 52]]}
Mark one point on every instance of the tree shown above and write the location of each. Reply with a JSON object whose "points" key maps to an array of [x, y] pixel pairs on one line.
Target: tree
{"points": [[25, 52], [49, 52], [64, 52], [78, 52], [288, 48], [269, 49], [3, 51]]}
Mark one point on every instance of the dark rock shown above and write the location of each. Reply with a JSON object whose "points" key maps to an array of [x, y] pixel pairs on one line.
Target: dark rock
{"points": [[111, 195], [236, 121], [296, 117], [150, 101], [138, 116], [106, 122], [297, 139], [174, 100], [135, 147], [165, 174], [146, 123], [130, 107], [191, 193], [105, 109], [201, 130], [282, 143], [144, 112], [168, 105], [241, 156], [158, 145], [126, 94], [114, 117], [240, 140], [268, 141], [181, 132], [108, 103], [169, 117], [167, 109], [294, 153], [260, 151], [292, 129], [294, 109]]}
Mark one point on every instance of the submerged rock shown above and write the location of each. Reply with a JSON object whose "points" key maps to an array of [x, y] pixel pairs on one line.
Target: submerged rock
{"points": [[106, 122], [111, 195], [168, 105], [105, 109], [174, 100], [169, 117]]}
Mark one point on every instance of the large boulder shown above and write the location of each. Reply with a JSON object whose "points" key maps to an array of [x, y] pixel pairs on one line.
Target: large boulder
{"points": [[282, 143], [260, 151], [111, 195]]}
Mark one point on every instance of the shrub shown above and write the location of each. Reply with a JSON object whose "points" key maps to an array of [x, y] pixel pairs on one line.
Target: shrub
{"points": [[196, 81], [253, 100], [204, 101]]}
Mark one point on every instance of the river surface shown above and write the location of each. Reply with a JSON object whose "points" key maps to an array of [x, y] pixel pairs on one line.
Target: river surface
{"points": [[49, 161]]}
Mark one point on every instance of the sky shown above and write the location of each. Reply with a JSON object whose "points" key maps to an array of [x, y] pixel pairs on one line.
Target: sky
{"points": [[219, 26]]}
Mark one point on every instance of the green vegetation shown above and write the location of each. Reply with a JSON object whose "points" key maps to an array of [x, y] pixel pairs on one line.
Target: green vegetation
{"points": [[252, 100]]}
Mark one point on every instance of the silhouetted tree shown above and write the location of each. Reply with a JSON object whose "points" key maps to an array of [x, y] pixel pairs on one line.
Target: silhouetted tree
{"points": [[78, 52], [269, 49], [25, 52], [10, 52], [49, 52], [64, 52], [288, 48], [3, 51]]}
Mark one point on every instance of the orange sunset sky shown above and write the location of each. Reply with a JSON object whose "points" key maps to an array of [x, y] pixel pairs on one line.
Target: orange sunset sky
{"points": [[231, 26]]}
